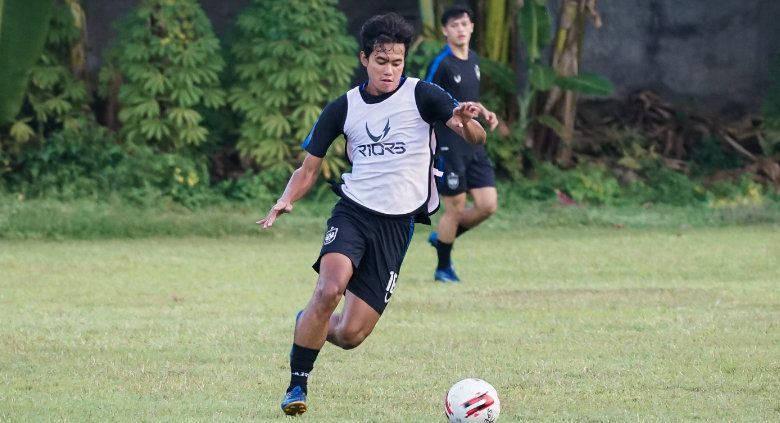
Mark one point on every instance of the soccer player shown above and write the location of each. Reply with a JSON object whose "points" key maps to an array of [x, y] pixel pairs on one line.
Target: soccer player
{"points": [[466, 167], [387, 122]]}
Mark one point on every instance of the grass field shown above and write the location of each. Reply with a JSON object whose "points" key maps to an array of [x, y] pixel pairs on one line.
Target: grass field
{"points": [[588, 324]]}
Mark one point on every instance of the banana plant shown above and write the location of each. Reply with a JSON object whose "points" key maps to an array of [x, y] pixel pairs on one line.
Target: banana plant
{"points": [[428, 18], [535, 27], [497, 31], [23, 28]]}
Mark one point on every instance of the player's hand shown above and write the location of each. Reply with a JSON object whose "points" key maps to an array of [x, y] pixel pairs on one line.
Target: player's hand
{"points": [[279, 208], [491, 119], [464, 113]]}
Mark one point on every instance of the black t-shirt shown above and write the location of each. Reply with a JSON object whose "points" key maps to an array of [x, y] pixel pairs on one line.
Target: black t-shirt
{"points": [[460, 78], [434, 104]]}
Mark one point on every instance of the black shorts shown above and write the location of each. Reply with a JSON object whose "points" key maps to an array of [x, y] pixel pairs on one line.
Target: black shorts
{"points": [[464, 168], [375, 244]]}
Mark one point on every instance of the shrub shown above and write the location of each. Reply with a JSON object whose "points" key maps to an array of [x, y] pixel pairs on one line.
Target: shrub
{"points": [[421, 54], [290, 58], [169, 60], [666, 186], [710, 156], [743, 192], [507, 152], [69, 165], [255, 186], [91, 164], [588, 183]]}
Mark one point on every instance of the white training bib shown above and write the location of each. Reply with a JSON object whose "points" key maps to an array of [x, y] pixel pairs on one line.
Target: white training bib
{"points": [[391, 150]]}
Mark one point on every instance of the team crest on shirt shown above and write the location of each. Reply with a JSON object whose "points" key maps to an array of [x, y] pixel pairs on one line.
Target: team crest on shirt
{"points": [[330, 235], [377, 138], [476, 70], [457, 79], [452, 180]]}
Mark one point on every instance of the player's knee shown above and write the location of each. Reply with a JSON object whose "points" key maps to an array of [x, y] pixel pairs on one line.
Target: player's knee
{"points": [[350, 339], [485, 209], [327, 296], [489, 209], [455, 210]]}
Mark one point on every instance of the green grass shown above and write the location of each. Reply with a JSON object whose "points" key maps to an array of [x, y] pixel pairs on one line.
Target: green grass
{"points": [[87, 219], [569, 324]]}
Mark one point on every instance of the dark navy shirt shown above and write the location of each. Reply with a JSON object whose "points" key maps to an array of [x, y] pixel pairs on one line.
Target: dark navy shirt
{"points": [[460, 78]]}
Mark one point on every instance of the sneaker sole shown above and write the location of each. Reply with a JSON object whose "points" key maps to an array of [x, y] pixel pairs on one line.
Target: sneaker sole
{"points": [[443, 280], [295, 408]]}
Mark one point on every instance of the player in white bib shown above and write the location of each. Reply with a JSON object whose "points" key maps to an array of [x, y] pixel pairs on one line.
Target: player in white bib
{"points": [[387, 123]]}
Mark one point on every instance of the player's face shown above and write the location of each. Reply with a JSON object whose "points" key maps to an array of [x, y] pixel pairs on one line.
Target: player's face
{"points": [[458, 30], [384, 66]]}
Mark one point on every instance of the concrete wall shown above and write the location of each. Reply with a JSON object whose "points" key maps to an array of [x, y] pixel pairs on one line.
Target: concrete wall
{"points": [[712, 55]]}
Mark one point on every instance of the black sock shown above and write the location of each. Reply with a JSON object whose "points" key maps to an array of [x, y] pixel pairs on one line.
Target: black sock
{"points": [[301, 364], [461, 230], [443, 250]]}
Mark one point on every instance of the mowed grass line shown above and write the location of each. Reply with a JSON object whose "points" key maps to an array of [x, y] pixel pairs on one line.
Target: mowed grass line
{"points": [[568, 325]]}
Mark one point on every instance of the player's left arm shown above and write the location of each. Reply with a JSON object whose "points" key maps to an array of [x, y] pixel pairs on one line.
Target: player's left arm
{"points": [[435, 105], [463, 123]]}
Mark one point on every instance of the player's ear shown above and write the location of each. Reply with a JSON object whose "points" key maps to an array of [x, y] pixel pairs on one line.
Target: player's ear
{"points": [[363, 58]]}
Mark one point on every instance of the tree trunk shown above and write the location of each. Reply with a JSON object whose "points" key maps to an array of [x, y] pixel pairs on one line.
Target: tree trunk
{"points": [[428, 18], [562, 104], [496, 30], [78, 51]]}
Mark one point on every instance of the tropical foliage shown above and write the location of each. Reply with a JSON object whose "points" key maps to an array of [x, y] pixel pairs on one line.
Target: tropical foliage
{"points": [[54, 99], [290, 57], [561, 81], [169, 60], [23, 28], [163, 135]]}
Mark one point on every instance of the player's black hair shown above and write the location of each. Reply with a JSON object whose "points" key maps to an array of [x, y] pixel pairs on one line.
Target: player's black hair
{"points": [[456, 12], [382, 29]]}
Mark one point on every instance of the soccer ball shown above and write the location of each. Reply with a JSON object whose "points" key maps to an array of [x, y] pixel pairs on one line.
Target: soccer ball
{"points": [[472, 400]]}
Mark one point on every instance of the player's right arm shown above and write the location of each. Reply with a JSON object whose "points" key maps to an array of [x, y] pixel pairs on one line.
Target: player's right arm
{"points": [[329, 125], [299, 184]]}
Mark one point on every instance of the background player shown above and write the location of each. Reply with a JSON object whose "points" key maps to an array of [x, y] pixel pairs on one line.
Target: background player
{"points": [[466, 167]]}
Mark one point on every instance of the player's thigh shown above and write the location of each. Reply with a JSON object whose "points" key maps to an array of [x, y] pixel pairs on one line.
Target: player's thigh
{"points": [[335, 272], [342, 250], [375, 279]]}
